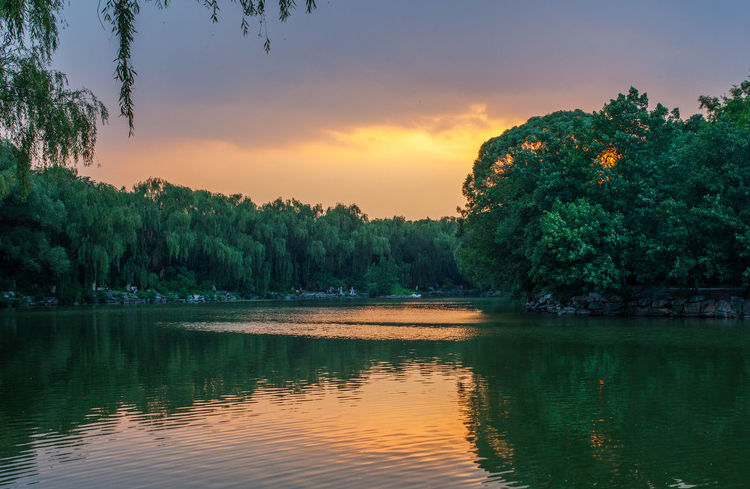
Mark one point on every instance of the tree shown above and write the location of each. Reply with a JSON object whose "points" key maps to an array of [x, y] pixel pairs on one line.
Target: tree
{"points": [[51, 123], [122, 15], [48, 122], [628, 195], [581, 249], [735, 106], [517, 176]]}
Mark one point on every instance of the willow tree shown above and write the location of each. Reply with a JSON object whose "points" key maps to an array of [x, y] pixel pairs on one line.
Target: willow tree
{"points": [[122, 16], [49, 122], [46, 120]]}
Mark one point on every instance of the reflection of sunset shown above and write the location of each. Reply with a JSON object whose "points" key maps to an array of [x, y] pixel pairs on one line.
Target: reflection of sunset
{"points": [[600, 442], [430, 427], [407, 419], [418, 320], [412, 169]]}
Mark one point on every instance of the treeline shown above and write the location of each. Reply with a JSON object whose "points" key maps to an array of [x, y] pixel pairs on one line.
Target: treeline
{"points": [[69, 235], [574, 202]]}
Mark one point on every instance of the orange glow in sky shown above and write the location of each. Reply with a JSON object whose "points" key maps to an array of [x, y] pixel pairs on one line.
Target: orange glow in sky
{"points": [[386, 170], [340, 112]]}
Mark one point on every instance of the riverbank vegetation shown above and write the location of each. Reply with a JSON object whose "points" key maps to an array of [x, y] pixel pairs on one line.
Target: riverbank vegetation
{"points": [[68, 236], [577, 202], [568, 203]]}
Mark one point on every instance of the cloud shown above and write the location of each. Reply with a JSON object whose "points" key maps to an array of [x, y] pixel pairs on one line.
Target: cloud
{"points": [[415, 170], [385, 103]]}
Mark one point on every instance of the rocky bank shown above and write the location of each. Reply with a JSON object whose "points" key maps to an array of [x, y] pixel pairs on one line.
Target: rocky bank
{"points": [[715, 302]]}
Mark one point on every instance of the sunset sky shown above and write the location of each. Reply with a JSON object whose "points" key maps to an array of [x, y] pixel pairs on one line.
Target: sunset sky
{"points": [[381, 103]]}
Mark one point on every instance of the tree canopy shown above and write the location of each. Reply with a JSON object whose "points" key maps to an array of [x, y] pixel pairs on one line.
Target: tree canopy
{"points": [[46, 120], [76, 234], [574, 202]]}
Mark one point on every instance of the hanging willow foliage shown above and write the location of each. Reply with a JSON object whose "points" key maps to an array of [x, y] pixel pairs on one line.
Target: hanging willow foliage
{"points": [[170, 237]]}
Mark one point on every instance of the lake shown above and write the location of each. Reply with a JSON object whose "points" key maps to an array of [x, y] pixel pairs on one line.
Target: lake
{"points": [[369, 393]]}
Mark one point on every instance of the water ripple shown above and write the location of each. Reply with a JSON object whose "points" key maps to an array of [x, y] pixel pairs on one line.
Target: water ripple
{"points": [[330, 439]]}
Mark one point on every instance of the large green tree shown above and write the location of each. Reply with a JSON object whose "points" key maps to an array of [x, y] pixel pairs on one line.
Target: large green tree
{"points": [[574, 202], [516, 178]]}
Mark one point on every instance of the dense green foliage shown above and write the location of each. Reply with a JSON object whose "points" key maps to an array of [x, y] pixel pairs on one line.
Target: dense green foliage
{"points": [[528, 392], [574, 202], [74, 233], [47, 121]]}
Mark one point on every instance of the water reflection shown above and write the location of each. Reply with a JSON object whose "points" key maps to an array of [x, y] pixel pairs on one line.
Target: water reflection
{"points": [[618, 408], [324, 436], [131, 397], [363, 320]]}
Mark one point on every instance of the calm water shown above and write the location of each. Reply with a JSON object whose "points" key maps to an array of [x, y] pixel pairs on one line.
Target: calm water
{"points": [[457, 393]]}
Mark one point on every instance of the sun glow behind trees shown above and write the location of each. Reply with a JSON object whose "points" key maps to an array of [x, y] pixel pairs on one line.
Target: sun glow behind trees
{"points": [[622, 197], [333, 78], [409, 169]]}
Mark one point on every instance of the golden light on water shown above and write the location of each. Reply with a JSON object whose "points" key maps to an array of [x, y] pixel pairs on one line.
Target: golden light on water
{"points": [[405, 424], [406, 321]]}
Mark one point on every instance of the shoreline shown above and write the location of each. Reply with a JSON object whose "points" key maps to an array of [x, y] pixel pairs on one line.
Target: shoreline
{"points": [[730, 302], [121, 297]]}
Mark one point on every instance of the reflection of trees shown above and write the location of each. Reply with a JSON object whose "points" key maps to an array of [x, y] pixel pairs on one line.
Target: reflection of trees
{"points": [[673, 405], [667, 411], [54, 377]]}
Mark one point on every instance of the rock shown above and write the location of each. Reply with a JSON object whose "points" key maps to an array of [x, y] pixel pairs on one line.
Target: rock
{"points": [[708, 308], [691, 309], [613, 307], [723, 306], [738, 304], [660, 311], [580, 301], [641, 311]]}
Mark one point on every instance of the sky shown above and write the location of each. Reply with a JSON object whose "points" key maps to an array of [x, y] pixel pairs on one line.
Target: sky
{"points": [[385, 103]]}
